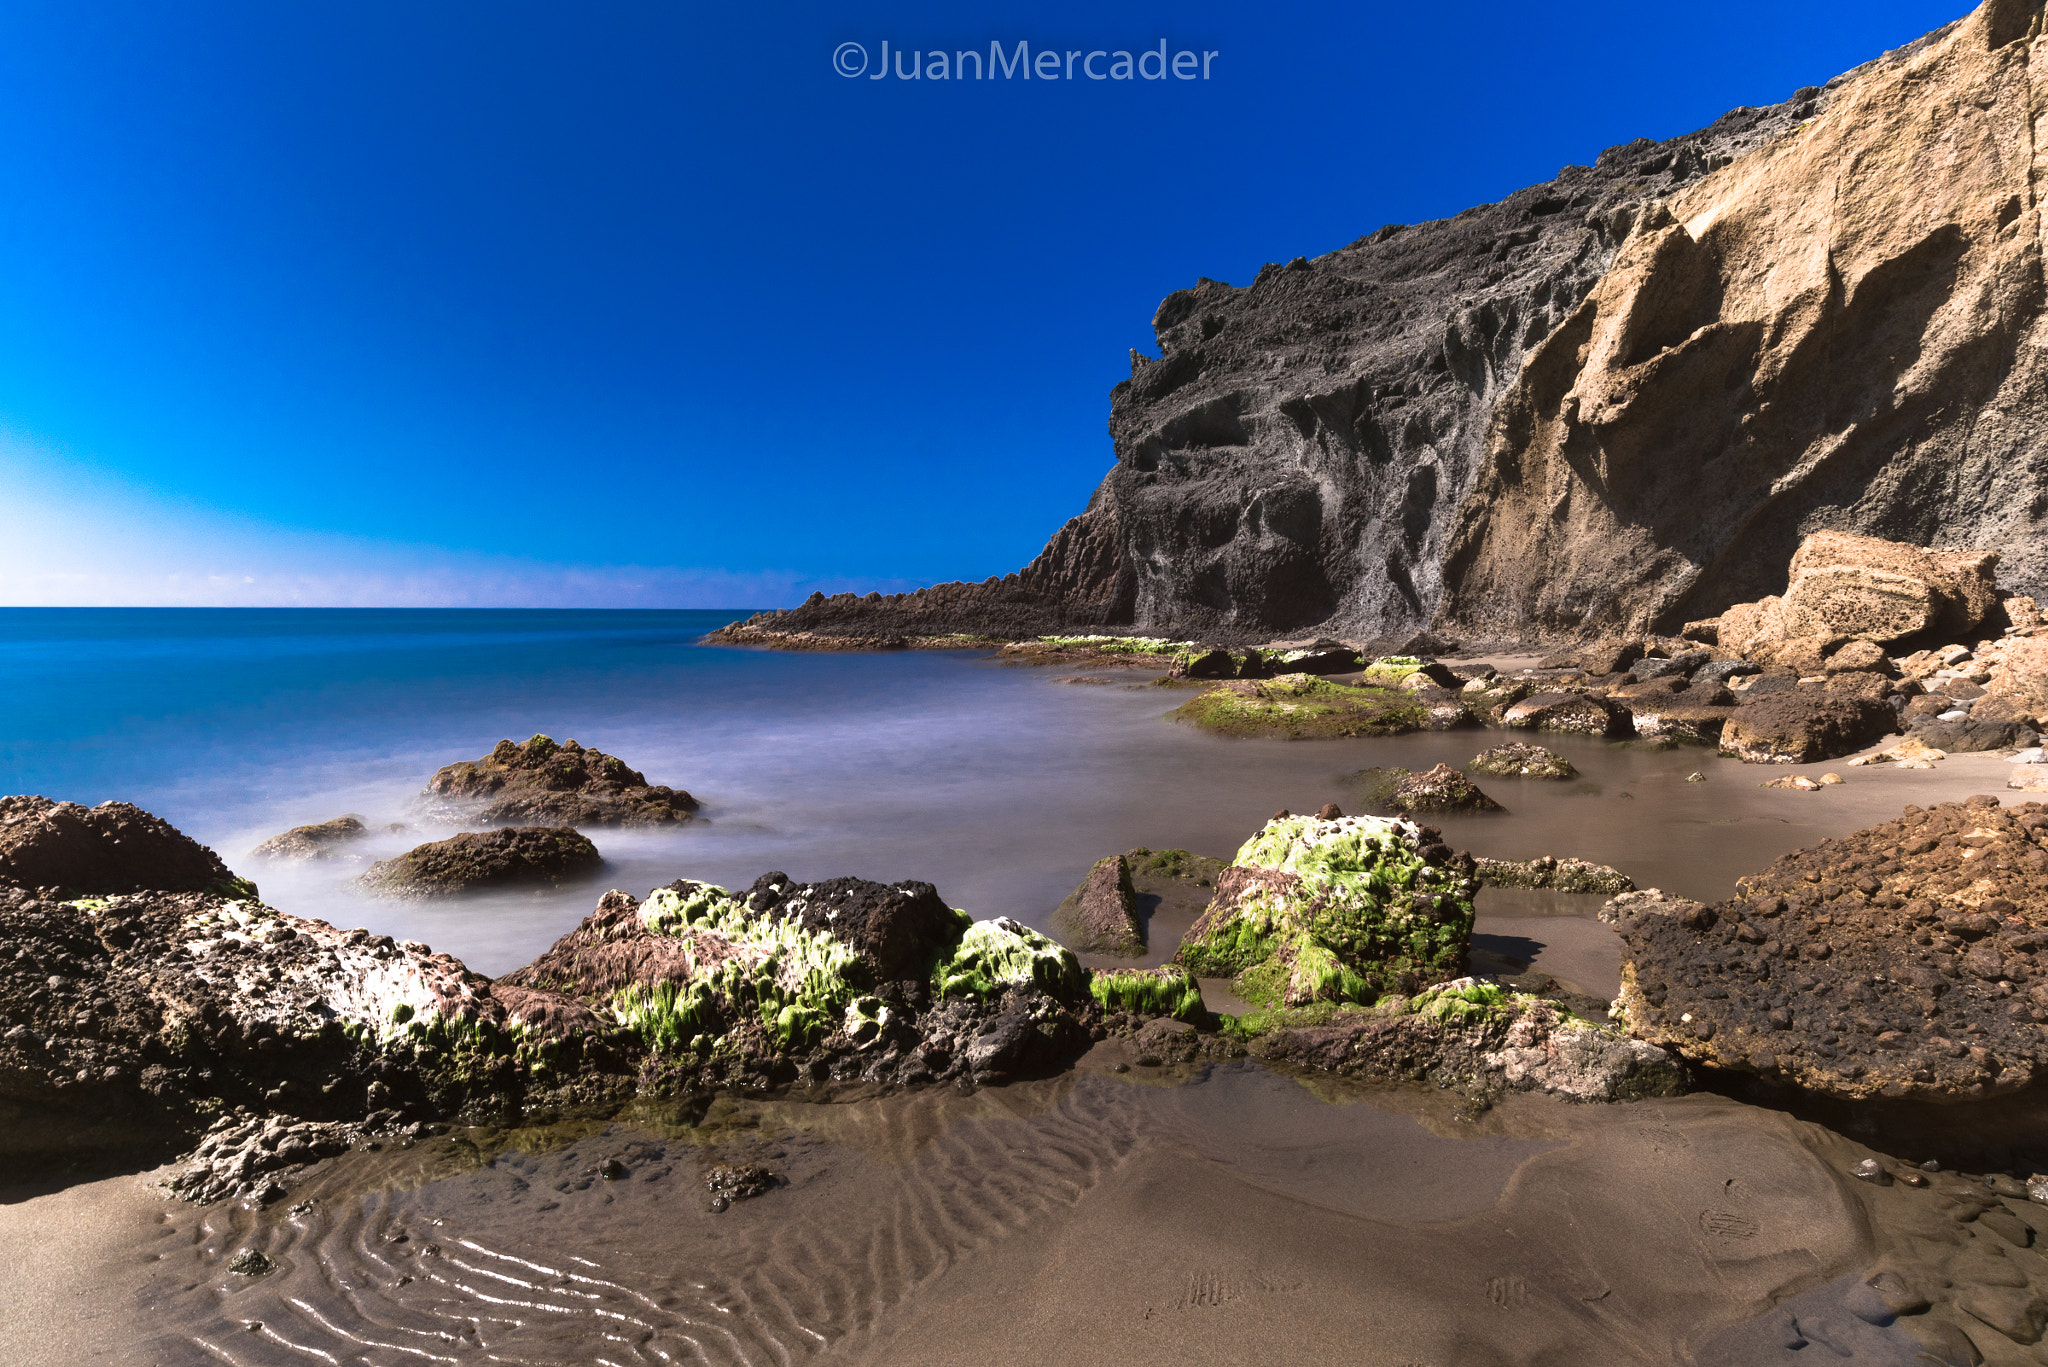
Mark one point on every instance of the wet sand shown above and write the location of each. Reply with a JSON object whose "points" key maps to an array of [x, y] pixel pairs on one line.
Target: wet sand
{"points": [[1227, 1215]]}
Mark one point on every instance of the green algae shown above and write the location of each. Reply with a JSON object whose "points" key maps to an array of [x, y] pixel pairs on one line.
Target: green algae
{"points": [[1391, 669], [992, 955], [1169, 990], [1332, 911], [1122, 645], [1301, 707]]}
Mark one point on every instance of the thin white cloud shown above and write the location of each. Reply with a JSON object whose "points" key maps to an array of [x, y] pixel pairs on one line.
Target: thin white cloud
{"points": [[77, 539]]}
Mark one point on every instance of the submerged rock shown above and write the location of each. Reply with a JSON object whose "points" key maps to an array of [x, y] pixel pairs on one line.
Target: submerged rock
{"points": [[111, 848], [1516, 759], [510, 856], [1442, 789], [1556, 875], [1298, 706], [1101, 916], [1335, 911], [318, 841], [540, 782], [1906, 960]]}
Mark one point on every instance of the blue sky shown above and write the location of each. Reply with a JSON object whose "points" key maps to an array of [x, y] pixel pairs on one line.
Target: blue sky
{"points": [[643, 304]]}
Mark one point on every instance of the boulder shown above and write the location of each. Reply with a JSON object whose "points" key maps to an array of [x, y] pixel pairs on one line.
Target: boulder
{"points": [[1970, 735], [1207, 664], [1859, 654], [1747, 627], [1516, 759], [539, 782], [114, 847], [1442, 789], [1802, 725], [1906, 960], [1574, 713], [1659, 666], [1886, 591], [1721, 671], [1553, 874], [511, 856], [2022, 674], [1344, 910], [322, 840], [1101, 916]]}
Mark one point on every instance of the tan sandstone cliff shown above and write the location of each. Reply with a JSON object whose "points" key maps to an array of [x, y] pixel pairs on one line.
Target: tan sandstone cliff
{"points": [[1842, 329]]}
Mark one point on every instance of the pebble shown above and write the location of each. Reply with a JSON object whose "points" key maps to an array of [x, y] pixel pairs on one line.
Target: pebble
{"points": [[1931, 1165], [250, 1263], [2006, 1186], [1870, 1170]]}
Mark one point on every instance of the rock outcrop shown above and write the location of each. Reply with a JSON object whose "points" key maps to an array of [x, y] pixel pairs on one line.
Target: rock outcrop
{"points": [[541, 783], [1101, 916], [1909, 960], [1517, 759], [321, 840], [76, 851], [1619, 399], [1442, 789], [511, 856]]}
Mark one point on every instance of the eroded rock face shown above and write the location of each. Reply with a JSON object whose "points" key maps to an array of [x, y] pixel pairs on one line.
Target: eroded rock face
{"points": [[1883, 355], [1344, 910], [511, 856], [1101, 916], [540, 783], [1906, 960], [114, 847]]}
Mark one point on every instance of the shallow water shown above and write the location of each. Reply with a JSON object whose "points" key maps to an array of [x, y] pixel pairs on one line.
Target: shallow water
{"points": [[998, 784]]}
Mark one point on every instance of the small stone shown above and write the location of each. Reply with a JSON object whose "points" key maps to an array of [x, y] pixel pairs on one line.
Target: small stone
{"points": [[1831, 779], [1913, 1179], [719, 1204], [1931, 1165], [251, 1263], [611, 1170], [1872, 1171], [1695, 777]]}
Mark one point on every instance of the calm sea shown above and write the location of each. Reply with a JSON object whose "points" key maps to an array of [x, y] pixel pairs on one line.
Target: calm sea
{"points": [[999, 784]]}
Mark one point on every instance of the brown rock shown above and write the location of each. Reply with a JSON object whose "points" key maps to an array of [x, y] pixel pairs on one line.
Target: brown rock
{"points": [[114, 847], [321, 840], [2023, 674], [1802, 725], [1879, 590], [1610, 656], [1514, 759], [539, 781], [1570, 712], [1442, 789], [1879, 964], [1994, 707], [508, 856], [1101, 917], [1805, 655], [1860, 654], [1748, 628], [1860, 683], [2022, 613]]}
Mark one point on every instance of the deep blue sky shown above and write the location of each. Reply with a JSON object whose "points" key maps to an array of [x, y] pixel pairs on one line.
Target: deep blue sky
{"points": [[642, 303]]}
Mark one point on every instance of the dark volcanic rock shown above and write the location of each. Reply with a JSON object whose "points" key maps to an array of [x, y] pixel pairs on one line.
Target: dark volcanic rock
{"points": [[508, 856], [1802, 725], [540, 782], [1901, 961], [1101, 916], [113, 847], [893, 927], [1442, 789], [1958, 737], [318, 841]]}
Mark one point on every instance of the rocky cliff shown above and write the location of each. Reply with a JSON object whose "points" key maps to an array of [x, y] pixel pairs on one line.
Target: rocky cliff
{"points": [[1619, 398]]}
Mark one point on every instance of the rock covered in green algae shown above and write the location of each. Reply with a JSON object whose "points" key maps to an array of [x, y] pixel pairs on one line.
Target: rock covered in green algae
{"points": [[1343, 910], [1515, 759], [1301, 706], [841, 979], [539, 782], [1101, 916], [510, 856], [1168, 990]]}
